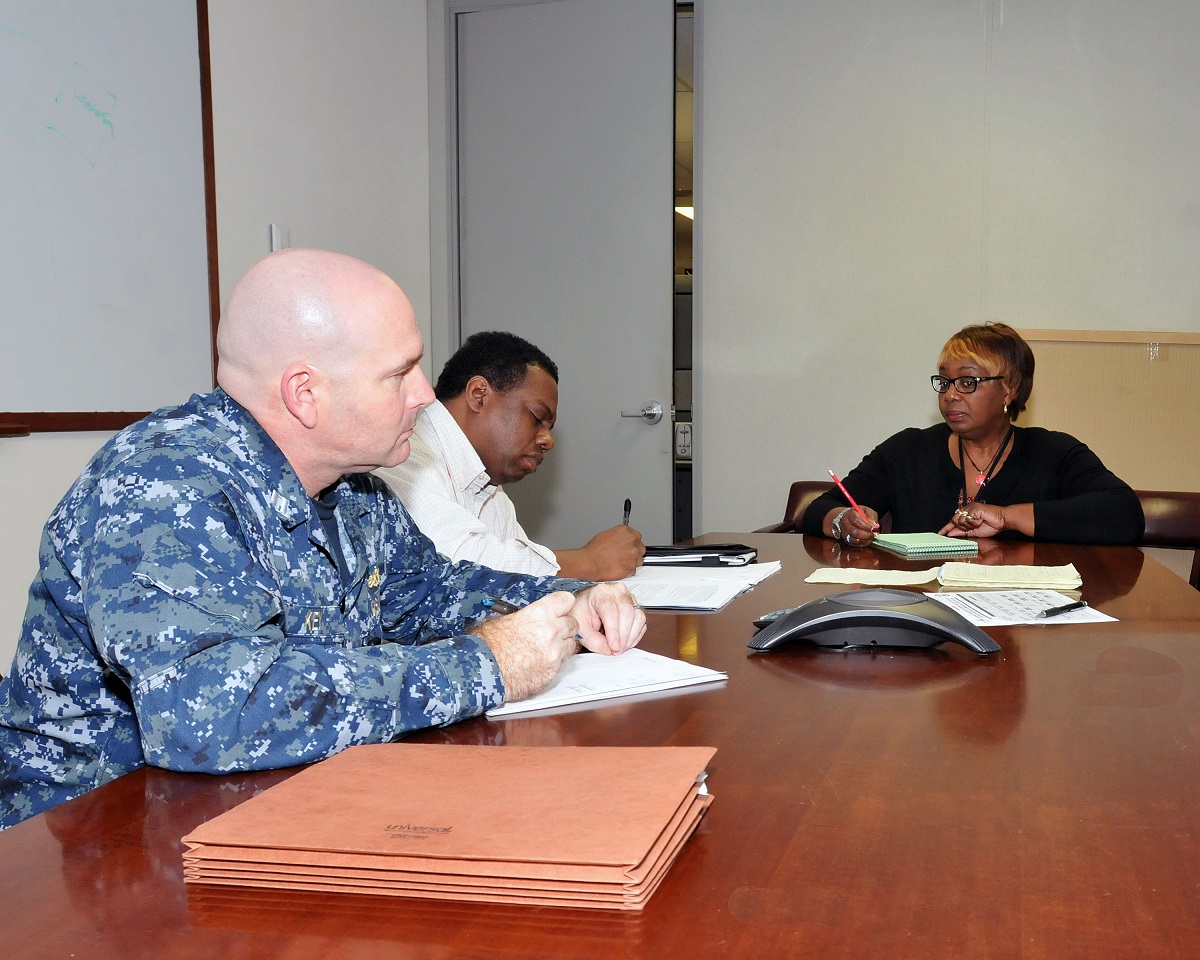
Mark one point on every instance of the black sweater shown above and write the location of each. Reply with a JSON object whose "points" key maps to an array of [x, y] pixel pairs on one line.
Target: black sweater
{"points": [[911, 476]]}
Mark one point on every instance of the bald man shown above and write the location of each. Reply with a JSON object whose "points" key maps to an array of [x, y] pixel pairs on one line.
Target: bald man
{"points": [[227, 588]]}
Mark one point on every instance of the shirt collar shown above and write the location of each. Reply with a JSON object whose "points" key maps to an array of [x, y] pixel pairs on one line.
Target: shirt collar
{"points": [[466, 469]]}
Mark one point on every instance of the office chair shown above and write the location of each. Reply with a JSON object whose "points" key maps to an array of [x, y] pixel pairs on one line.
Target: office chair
{"points": [[1173, 520], [801, 494]]}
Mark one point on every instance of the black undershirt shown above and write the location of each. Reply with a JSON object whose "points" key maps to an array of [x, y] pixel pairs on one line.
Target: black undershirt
{"points": [[326, 505]]}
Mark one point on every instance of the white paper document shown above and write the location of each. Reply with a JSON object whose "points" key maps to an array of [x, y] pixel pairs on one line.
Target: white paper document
{"points": [[695, 588], [590, 676], [1002, 608]]}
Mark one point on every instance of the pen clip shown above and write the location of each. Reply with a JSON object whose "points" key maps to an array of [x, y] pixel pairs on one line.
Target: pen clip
{"points": [[496, 605]]}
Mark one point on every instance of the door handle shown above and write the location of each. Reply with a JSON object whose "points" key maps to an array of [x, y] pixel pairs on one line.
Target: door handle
{"points": [[652, 412]]}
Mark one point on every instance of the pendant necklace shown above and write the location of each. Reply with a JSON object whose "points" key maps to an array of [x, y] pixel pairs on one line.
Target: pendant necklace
{"points": [[982, 477]]}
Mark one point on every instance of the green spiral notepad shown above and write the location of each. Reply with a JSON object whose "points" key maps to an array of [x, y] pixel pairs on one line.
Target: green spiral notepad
{"points": [[925, 545]]}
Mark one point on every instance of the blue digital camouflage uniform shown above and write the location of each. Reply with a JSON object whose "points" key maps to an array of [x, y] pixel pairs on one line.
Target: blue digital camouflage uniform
{"points": [[188, 614]]}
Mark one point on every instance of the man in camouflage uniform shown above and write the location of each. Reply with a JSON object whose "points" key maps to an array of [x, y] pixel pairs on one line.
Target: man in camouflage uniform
{"points": [[226, 588]]}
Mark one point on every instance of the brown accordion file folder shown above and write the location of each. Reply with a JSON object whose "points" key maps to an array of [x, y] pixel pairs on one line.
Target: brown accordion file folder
{"points": [[568, 826]]}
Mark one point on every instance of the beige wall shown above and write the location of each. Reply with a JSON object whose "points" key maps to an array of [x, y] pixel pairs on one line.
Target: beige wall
{"points": [[1133, 397]]}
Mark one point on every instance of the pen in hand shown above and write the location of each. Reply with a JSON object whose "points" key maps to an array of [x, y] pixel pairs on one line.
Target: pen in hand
{"points": [[1065, 608], [846, 494], [628, 508], [503, 608]]}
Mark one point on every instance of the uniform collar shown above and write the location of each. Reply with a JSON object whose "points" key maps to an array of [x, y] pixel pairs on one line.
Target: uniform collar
{"points": [[281, 485]]}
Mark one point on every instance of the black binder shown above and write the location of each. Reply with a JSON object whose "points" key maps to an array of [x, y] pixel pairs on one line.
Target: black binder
{"points": [[701, 555]]}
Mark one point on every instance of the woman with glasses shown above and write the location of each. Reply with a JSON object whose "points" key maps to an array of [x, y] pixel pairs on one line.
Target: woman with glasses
{"points": [[978, 474]]}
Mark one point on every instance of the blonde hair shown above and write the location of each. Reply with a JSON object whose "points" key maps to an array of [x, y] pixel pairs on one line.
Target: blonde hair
{"points": [[1000, 351]]}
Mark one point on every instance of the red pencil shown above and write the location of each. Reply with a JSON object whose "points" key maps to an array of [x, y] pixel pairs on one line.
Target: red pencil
{"points": [[846, 494]]}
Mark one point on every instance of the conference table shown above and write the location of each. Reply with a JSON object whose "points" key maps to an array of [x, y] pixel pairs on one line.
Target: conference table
{"points": [[1043, 802]]}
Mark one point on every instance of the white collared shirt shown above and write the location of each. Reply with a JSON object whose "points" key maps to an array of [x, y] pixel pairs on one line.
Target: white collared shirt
{"points": [[446, 489]]}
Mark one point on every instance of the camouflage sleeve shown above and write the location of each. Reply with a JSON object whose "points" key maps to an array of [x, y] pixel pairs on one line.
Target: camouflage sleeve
{"points": [[184, 606], [427, 596]]}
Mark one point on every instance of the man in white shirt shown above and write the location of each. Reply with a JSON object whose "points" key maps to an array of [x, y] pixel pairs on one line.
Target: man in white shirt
{"points": [[497, 399]]}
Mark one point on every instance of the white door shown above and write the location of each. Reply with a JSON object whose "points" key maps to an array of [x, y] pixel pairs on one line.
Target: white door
{"points": [[564, 185]]}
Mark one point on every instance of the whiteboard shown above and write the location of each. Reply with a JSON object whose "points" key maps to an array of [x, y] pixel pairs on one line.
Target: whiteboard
{"points": [[103, 252]]}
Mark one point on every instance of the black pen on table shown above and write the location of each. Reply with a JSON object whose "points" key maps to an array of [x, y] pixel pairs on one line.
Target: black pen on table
{"points": [[628, 508], [1065, 608]]}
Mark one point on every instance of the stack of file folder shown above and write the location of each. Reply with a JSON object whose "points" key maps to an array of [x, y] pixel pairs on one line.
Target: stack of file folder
{"points": [[590, 827]]}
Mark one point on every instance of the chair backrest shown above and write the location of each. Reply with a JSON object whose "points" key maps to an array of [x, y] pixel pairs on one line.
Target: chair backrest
{"points": [[1173, 520], [800, 495]]}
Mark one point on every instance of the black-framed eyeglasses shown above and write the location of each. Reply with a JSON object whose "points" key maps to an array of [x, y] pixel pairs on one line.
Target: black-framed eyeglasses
{"points": [[961, 384]]}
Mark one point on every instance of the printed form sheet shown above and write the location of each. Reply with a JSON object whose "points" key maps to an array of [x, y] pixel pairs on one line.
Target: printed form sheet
{"points": [[1002, 608]]}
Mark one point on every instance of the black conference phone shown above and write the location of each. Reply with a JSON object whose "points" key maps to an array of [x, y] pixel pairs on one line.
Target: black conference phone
{"points": [[873, 617]]}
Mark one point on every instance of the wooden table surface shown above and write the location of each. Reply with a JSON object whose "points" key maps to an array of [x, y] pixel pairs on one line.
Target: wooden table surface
{"points": [[1042, 803]]}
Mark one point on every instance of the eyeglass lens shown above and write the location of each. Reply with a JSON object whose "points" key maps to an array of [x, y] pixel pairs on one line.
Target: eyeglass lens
{"points": [[961, 384]]}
